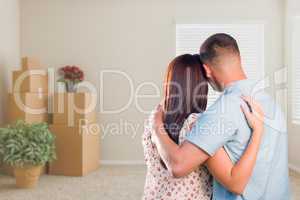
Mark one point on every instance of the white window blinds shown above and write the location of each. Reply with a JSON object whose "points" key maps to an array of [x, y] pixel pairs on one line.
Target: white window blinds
{"points": [[296, 71], [250, 38]]}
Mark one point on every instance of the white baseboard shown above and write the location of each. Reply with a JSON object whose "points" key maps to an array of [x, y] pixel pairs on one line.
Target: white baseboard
{"points": [[294, 168], [122, 162]]}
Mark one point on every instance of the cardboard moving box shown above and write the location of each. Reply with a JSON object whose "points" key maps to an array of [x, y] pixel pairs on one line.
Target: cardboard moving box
{"points": [[74, 109], [30, 63], [30, 101], [77, 149], [30, 81], [30, 107]]}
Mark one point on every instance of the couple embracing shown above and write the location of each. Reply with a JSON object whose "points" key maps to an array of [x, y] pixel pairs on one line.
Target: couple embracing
{"points": [[236, 149]]}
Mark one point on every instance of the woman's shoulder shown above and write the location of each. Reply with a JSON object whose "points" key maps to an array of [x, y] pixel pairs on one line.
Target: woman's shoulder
{"points": [[193, 116], [150, 119], [188, 125], [190, 120]]}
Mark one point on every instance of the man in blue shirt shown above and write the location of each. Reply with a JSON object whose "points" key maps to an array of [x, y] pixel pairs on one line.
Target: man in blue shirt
{"points": [[223, 125]]}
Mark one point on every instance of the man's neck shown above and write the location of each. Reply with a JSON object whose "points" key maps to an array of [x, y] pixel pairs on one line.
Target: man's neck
{"points": [[232, 72], [234, 79]]}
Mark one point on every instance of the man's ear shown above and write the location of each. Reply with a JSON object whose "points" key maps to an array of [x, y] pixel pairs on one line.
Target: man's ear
{"points": [[207, 70]]}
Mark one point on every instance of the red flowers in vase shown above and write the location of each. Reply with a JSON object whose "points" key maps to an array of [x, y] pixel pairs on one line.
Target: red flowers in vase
{"points": [[71, 76]]}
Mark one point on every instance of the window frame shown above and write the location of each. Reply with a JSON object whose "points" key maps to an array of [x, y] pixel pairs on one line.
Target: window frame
{"points": [[295, 22]]}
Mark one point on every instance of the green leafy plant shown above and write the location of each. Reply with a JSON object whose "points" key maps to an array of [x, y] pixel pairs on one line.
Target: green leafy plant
{"points": [[25, 144]]}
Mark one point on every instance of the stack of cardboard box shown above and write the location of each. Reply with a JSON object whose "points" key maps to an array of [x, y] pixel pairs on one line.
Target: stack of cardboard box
{"points": [[77, 134], [29, 98], [74, 120]]}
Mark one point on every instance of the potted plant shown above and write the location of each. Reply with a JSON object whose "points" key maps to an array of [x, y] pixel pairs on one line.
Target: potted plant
{"points": [[71, 76], [27, 148]]}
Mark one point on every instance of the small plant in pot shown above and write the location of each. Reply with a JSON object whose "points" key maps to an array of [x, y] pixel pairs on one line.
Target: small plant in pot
{"points": [[27, 148], [71, 76]]}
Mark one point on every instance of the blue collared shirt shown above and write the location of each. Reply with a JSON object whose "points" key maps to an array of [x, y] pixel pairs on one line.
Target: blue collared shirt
{"points": [[224, 125]]}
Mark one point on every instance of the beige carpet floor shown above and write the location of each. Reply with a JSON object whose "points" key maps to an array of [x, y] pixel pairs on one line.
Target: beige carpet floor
{"points": [[295, 183], [108, 183]]}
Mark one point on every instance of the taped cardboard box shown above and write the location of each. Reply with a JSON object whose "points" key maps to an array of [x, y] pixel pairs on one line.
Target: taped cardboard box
{"points": [[74, 109], [30, 107], [30, 81], [30, 63], [77, 149]]}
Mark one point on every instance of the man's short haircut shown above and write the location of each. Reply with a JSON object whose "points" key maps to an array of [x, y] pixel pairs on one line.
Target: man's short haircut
{"points": [[217, 45]]}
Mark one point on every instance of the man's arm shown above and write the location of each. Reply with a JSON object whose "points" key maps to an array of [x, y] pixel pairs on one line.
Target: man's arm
{"points": [[235, 177], [180, 160]]}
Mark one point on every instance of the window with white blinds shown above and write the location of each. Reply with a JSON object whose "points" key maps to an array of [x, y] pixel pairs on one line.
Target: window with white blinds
{"points": [[250, 38], [296, 71]]}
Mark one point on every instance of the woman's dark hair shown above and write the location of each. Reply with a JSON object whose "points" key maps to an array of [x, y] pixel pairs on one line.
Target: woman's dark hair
{"points": [[185, 92]]}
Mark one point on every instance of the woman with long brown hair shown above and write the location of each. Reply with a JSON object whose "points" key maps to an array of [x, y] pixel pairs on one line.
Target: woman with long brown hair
{"points": [[185, 97]]}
